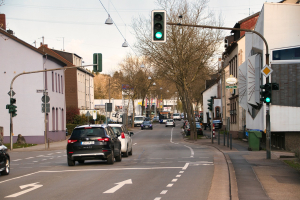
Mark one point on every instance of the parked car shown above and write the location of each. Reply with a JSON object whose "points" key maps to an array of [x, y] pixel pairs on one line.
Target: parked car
{"points": [[125, 137], [4, 160], [199, 128], [155, 119], [218, 124], [170, 122], [138, 120], [147, 125], [93, 142]]}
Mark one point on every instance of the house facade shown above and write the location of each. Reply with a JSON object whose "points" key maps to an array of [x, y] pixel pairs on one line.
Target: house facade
{"points": [[17, 56], [284, 50]]}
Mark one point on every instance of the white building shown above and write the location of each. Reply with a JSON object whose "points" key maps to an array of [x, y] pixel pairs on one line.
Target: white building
{"points": [[279, 24], [16, 56]]}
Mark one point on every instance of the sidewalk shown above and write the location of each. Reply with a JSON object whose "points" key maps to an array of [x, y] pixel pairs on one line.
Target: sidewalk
{"points": [[61, 145], [255, 177]]}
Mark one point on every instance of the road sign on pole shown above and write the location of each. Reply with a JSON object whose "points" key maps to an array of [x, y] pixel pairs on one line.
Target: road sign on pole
{"points": [[47, 107], [266, 71], [45, 99]]}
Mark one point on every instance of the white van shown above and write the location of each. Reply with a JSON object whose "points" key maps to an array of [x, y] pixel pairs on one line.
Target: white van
{"points": [[138, 120], [176, 116]]}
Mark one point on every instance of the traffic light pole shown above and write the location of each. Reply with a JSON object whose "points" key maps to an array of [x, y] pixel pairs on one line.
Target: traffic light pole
{"points": [[11, 95], [268, 127]]}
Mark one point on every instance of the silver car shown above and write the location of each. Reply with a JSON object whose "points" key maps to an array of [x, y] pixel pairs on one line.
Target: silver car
{"points": [[170, 122]]}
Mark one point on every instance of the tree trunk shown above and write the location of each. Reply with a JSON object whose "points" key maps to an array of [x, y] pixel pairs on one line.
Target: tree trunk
{"points": [[133, 112]]}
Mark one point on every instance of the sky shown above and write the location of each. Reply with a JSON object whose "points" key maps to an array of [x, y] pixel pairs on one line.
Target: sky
{"points": [[79, 27]]}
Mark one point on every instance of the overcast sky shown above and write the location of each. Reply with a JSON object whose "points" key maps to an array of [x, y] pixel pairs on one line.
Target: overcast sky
{"points": [[80, 24]]}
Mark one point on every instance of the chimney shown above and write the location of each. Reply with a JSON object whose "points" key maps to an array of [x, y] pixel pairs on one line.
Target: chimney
{"points": [[2, 21]]}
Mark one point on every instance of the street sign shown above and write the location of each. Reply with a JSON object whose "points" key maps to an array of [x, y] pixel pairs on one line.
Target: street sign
{"points": [[39, 91], [45, 99], [266, 71], [47, 107], [87, 114], [231, 86], [12, 94], [94, 114]]}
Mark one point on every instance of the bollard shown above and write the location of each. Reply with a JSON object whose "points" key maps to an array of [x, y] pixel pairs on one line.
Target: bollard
{"points": [[224, 132], [230, 141], [48, 143], [218, 137]]}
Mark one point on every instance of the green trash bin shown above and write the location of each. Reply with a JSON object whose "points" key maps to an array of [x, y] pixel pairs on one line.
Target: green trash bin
{"points": [[254, 140]]}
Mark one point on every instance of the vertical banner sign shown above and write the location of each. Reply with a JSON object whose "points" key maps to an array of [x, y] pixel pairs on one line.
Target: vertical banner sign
{"points": [[146, 103]]}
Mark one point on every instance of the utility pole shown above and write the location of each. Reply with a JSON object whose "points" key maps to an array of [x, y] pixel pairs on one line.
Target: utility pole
{"points": [[268, 127]]}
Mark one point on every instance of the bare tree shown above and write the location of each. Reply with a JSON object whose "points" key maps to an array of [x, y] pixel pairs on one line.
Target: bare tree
{"points": [[188, 51]]}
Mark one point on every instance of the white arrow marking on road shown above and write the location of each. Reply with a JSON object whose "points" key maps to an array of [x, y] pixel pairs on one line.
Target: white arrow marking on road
{"points": [[118, 186], [33, 185]]}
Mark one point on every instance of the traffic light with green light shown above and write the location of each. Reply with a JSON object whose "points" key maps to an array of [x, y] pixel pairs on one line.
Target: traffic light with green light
{"points": [[266, 93], [159, 25], [97, 62], [12, 108]]}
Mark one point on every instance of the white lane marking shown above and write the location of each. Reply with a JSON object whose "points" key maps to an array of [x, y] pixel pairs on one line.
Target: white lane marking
{"points": [[40, 156], [192, 151], [165, 162], [91, 170], [118, 186], [35, 161], [29, 158], [157, 198], [49, 154], [185, 166], [32, 185], [17, 160], [181, 172], [58, 156], [164, 192], [170, 185], [58, 152], [171, 139], [134, 143], [174, 180], [44, 159], [156, 158], [177, 176]]}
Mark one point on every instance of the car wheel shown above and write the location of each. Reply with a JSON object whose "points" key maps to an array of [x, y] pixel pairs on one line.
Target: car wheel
{"points": [[7, 168], [130, 152], [111, 158], [119, 157], [126, 153], [71, 162], [81, 161]]}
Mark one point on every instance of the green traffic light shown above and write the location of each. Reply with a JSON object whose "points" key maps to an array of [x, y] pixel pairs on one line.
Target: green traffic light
{"points": [[268, 100], [158, 35]]}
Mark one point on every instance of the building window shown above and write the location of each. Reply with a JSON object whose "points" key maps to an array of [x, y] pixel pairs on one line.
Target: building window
{"points": [[233, 66], [56, 119], [52, 82], [58, 83], [287, 54], [55, 82], [53, 119], [62, 86], [62, 120]]}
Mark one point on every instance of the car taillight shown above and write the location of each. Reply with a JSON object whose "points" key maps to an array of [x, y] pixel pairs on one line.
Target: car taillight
{"points": [[105, 150], [122, 135], [189, 129], [71, 152], [104, 139], [71, 141], [87, 127]]}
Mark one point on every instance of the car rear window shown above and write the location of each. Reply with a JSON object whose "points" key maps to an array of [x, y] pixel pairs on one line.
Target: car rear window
{"points": [[198, 125], [88, 132], [138, 118], [117, 130], [147, 122]]}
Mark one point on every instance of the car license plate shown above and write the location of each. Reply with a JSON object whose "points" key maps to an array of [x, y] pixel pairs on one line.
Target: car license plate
{"points": [[87, 142], [146, 126]]}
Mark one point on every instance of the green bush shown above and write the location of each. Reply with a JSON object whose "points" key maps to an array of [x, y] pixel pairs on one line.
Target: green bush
{"points": [[70, 128]]}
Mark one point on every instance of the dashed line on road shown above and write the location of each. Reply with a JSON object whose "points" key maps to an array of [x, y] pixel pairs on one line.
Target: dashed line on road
{"points": [[29, 158], [174, 180], [177, 176], [170, 185], [164, 192], [17, 160]]}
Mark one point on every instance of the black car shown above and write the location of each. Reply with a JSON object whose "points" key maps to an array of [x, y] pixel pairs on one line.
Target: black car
{"points": [[4, 160], [218, 124], [147, 125], [93, 142]]}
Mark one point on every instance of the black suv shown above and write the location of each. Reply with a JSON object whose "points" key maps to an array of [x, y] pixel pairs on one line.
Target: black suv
{"points": [[4, 160], [93, 142]]}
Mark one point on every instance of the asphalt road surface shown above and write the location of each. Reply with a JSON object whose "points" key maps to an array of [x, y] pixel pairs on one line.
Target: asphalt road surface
{"points": [[162, 166]]}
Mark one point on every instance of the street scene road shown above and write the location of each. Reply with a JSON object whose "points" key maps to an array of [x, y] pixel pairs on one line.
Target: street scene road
{"points": [[162, 167]]}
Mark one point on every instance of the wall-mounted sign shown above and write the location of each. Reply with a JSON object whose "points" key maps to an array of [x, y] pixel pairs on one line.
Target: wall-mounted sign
{"points": [[231, 80]]}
